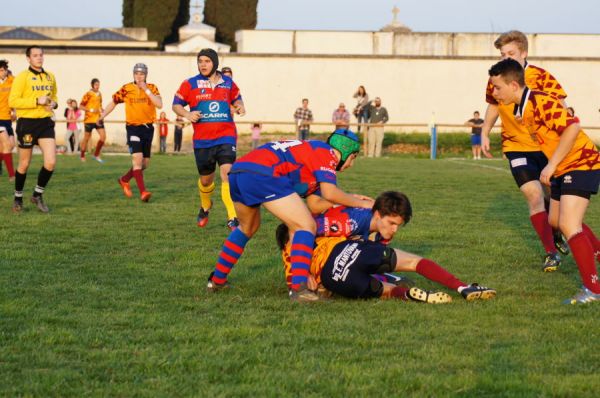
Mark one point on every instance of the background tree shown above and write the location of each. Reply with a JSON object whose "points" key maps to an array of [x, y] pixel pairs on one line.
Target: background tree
{"points": [[162, 18], [227, 16]]}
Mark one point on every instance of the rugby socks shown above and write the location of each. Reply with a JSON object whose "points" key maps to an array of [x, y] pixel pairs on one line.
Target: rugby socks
{"points": [[226, 198], [127, 176], [139, 179], [99, 146], [8, 160], [301, 256], [591, 236], [82, 155], [19, 185], [205, 194], [543, 230], [42, 181], [230, 253], [583, 253], [399, 292], [436, 273]]}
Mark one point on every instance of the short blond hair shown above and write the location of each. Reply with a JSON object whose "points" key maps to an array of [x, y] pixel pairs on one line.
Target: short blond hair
{"points": [[513, 36]]}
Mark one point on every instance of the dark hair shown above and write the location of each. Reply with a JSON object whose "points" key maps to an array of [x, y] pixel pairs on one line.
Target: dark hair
{"points": [[3, 64], [477, 112], [282, 236], [28, 50], [94, 81], [364, 90], [392, 203], [256, 125], [304, 99], [510, 70]]}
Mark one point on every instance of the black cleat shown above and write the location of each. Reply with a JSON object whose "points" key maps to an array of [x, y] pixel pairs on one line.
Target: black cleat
{"points": [[476, 292], [424, 296], [39, 202], [561, 244], [213, 287], [233, 223], [551, 262], [17, 206]]}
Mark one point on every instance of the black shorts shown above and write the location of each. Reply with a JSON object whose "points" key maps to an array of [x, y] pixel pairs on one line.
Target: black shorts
{"points": [[29, 131], [349, 267], [139, 139], [6, 125], [583, 183], [526, 166], [89, 127], [207, 158]]}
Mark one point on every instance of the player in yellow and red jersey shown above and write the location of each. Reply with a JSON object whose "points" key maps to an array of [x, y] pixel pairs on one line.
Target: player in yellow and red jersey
{"points": [[141, 100], [573, 169], [91, 103], [525, 156], [33, 96], [7, 116]]}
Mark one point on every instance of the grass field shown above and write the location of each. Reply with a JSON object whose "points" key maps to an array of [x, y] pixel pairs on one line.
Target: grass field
{"points": [[105, 296]]}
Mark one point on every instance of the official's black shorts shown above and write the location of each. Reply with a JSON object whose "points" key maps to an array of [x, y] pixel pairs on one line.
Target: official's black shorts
{"points": [[583, 183], [6, 125], [89, 127], [29, 131], [139, 139], [526, 166], [207, 158], [348, 269]]}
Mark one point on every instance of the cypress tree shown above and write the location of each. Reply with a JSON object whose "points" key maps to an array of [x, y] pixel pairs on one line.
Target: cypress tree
{"points": [[162, 19], [227, 16]]}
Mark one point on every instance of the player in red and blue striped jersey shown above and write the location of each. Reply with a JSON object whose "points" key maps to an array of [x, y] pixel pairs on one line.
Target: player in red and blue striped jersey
{"points": [[277, 175], [211, 96]]}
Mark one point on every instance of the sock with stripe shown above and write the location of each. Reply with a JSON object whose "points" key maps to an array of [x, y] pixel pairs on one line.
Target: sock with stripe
{"points": [[543, 230], [301, 257], [206, 194], [226, 198], [19, 185], [583, 253], [230, 253], [42, 181], [436, 273]]}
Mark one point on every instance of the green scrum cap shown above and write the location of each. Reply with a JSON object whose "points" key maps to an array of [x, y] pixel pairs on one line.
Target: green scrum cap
{"points": [[344, 141]]}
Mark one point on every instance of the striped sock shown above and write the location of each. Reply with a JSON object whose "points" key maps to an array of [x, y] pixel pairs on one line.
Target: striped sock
{"points": [[230, 253], [301, 256], [206, 194]]}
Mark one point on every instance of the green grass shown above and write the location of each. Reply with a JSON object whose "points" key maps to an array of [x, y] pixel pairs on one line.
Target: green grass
{"points": [[105, 296]]}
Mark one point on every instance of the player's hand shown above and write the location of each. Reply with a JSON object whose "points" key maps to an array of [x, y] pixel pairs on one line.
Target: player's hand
{"points": [[312, 283], [485, 146], [240, 109], [193, 116], [362, 197], [44, 100], [142, 85], [547, 174], [364, 201]]}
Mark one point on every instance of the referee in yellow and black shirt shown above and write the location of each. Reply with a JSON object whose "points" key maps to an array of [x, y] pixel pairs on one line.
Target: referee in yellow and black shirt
{"points": [[33, 96]]}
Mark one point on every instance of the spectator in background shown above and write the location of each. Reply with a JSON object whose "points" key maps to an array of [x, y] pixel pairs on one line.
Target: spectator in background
{"points": [[226, 71], [378, 115], [72, 114], [341, 117], [303, 117], [178, 134], [361, 108], [163, 129], [475, 123], [255, 135]]}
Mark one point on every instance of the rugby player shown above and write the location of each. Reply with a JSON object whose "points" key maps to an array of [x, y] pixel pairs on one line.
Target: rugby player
{"points": [[573, 169], [7, 116], [91, 103], [209, 96], [141, 101], [524, 154]]}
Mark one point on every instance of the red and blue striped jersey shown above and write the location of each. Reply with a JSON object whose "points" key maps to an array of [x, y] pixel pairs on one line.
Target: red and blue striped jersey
{"points": [[215, 126], [344, 221], [305, 163]]}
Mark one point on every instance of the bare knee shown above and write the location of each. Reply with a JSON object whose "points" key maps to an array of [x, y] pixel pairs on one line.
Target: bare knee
{"points": [[308, 224]]}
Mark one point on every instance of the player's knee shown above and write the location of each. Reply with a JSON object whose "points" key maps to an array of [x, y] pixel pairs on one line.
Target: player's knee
{"points": [[388, 261], [375, 289]]}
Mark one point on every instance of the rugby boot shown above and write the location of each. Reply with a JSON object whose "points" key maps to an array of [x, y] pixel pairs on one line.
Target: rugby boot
{"points": [[584, 296], [561, 244], [233, 223], [202, 218], [39, 202], [476, 292], [98, 159], [17, 206], [126, 188], [145, 196], [551, 262], [424, 296], [303, 294], [213, 287]]}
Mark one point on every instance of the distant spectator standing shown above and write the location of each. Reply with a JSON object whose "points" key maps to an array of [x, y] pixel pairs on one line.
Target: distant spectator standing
{"points": [[341, 117], [163, 130], [304, 118], [255, 135], [361, 110], [475, 123], [178, 134], [378, 115], [72, 114]]}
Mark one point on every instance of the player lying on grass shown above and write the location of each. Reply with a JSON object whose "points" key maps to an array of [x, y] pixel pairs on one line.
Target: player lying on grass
{"points": [[277, 175], [573, 170], [347, 267]]}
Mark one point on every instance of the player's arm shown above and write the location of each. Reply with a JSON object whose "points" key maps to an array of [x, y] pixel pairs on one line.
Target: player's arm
{"points": [[239, 107], [192, 116], [491, 116], [567, 140], [155, 98], [333, 194], [317, 205], [109, 108], [16, 99]]}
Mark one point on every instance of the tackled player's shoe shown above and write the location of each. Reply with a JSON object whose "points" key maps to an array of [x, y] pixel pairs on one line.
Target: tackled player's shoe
{"points": [[213, 287], [476, 292], [551, 262], [233, 223], [126, 188], [202, 218], [17, 206], [39, 202], [303, 294], [145, 196], [584, 296], [561, 244], [425, 296]]}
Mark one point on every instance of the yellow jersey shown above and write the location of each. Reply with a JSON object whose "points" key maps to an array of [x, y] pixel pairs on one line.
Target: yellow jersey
{"points": [[515, 137], [139, 109], [27, 87], [92, 102], [4, 92]]}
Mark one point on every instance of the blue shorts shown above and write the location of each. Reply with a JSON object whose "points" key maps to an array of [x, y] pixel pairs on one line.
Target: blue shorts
{"points": [[475, 139], [254, 189], [583, 183], [139, 139], [7, 124], [526, 166]]}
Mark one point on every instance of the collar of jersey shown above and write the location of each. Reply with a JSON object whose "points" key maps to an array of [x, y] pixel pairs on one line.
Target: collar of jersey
{"points": [[520, 107], [202, 77], [35, 72]]}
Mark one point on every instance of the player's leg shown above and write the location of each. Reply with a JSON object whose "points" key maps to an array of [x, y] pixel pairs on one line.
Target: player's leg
{"points": [[84, 142], [100, 143], [206, 164], [6, 147], [371, 141], [21, 176], [48, 148], [225, 157]]}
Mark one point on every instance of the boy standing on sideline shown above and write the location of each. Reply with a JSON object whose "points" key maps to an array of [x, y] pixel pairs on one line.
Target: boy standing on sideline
{"points": [[141, 100], [475, 123], [163, 130], [178, 134], [91, 103], [303, 117], [255, 135], [33, 96]]}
